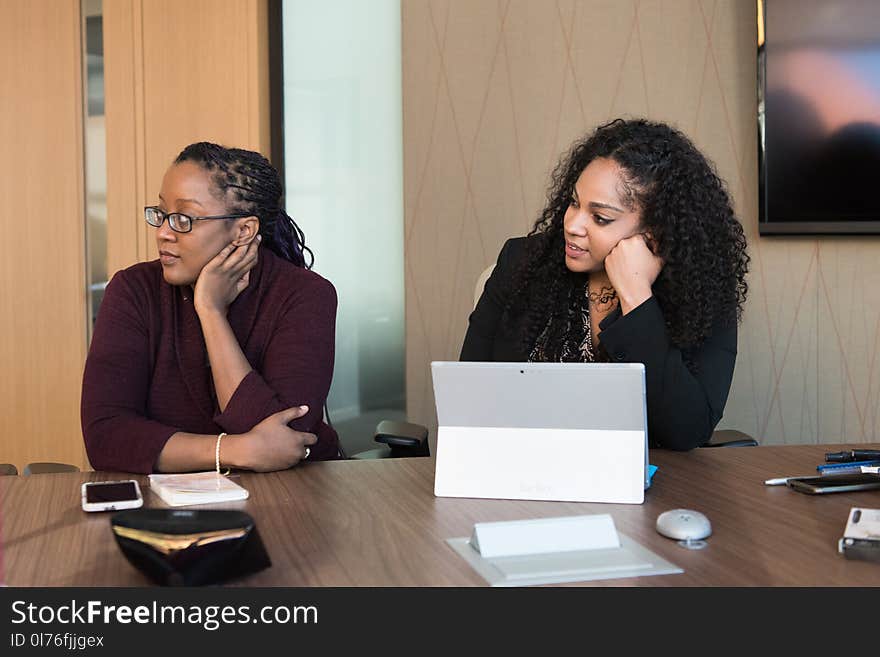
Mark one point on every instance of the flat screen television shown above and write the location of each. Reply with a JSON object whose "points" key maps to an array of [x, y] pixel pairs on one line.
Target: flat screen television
{"points": [[819, 116]]}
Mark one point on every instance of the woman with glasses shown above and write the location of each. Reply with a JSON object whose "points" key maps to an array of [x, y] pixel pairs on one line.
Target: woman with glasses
{"points": [[220, 353], [637, 257]]}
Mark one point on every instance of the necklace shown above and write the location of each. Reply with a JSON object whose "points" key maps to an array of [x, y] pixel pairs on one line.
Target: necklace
{"points": [[570, 349], [586, 346]]}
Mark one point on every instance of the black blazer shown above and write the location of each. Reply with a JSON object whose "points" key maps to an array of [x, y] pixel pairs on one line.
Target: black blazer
{"points": [[683, 408]]}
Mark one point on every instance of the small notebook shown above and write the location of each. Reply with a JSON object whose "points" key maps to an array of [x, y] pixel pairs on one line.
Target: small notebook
{"points": [[195, 488]]}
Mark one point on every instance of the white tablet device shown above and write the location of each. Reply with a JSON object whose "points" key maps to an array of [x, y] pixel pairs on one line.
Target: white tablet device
{"points": [[541, 431]]}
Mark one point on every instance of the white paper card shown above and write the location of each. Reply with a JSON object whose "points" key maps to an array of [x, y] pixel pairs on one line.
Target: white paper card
{"points": [[544, 536], [628, 560]]}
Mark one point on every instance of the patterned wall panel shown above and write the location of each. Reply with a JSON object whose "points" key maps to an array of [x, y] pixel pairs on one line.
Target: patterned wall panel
{"points": [[496, 90]]}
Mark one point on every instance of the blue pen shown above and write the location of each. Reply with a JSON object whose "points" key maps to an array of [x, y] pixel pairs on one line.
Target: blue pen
{"points": [[840, 468]]}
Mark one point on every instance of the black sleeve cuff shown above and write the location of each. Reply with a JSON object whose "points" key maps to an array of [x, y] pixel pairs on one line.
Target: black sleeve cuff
{"points": [[636, 336]]}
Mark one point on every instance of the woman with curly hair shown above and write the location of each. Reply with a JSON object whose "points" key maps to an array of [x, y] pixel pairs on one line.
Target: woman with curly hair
{"points": [[637, 257]]}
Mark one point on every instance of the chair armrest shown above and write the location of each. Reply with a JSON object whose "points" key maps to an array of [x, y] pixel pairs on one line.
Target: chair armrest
{"points": [[404, 438], [383, 452], [731, 438]]}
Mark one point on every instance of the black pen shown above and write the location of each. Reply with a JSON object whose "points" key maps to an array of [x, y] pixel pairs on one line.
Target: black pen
{"points": [[852, 455]]}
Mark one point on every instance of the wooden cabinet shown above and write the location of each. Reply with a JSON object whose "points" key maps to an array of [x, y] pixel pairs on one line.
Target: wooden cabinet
{"points": [[42, 269], [176, 71]]}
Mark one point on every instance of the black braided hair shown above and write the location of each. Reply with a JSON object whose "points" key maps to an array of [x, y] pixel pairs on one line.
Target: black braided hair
{"points": [[247, 182], [686, 208]]}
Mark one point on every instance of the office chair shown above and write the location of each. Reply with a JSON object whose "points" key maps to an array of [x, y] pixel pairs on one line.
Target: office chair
{"points": [[412, 439], [48, 468], [398, 440], [7, 469], [730, 438]]}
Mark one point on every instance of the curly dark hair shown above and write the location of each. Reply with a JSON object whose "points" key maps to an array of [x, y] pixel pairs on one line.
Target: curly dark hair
{"points": [[685, 207]]}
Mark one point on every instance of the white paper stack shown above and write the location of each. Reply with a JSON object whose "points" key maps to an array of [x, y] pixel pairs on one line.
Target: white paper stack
{"points": [[195, 488]]}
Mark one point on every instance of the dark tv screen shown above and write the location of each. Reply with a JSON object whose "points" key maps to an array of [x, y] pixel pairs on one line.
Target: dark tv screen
{"points": [[819, 116]]}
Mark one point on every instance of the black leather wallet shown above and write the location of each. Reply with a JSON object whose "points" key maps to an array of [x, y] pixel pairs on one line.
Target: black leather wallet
{"points": [[176, 547]]}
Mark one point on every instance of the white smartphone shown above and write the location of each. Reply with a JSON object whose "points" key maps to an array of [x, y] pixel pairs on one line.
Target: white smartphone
{"points": [[111, 495]]}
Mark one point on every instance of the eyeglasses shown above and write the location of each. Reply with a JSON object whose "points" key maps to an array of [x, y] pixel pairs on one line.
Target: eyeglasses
{"points": [[180, 223]]}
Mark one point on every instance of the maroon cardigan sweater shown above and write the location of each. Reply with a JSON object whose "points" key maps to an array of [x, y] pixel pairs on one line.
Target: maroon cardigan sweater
{"points": [[147, 375]]}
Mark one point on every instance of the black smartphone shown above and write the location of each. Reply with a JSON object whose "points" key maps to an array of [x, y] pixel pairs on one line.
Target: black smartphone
{"points": [[840, 483]]}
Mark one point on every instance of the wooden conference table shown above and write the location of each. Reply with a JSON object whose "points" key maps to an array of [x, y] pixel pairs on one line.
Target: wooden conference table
{"points": [[377, 523]]}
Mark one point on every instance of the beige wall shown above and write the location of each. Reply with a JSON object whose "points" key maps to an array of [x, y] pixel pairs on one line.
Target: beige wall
{"points": [[494, 90]]}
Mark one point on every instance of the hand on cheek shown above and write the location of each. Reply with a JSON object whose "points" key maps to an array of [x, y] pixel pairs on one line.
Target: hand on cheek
{"points": [[632, 269], [225, 277]]}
